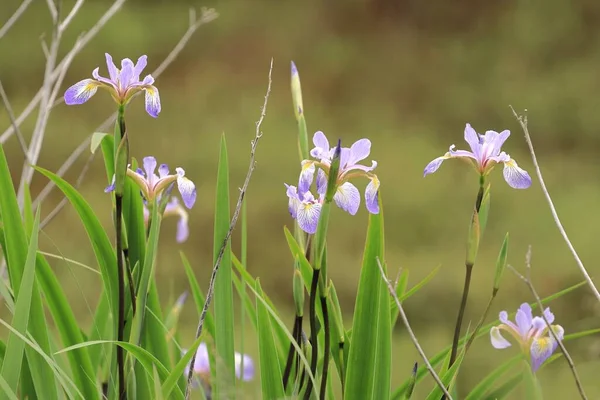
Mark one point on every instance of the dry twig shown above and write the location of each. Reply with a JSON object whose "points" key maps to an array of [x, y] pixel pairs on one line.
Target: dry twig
{"points": [[11, 21], [563, 349], [238, 207], [523, 122]]}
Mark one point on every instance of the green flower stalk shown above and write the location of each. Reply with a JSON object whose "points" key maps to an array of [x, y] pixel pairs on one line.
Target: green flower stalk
{"points": [[299, 113]]}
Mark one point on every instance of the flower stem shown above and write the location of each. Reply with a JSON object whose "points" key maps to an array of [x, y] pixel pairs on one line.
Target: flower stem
{"points": [[121, 277], [326, 350], [313, 331], [292, 350]]}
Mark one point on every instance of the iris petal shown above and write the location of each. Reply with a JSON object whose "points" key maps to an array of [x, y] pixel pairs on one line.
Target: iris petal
{"points": [[321, 149], [201, 364], [163, 170], [347, 197], [149, 168], [186, 188], [359, 151], [182, 229], [293, 199], [81, 92], [372, 196], [113, 72], [497, 339], [524, 319], [541, 350], [153, 106], [308, 216], [306, 176], [126, 75], [472, 138], [515, 176], [434, 165], [139, 67], [248, 371]]}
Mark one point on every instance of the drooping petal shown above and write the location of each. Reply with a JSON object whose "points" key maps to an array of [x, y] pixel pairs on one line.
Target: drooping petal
{"points": [[153, 106], [247, 374], [306, 176], [186, 188], [113, 72], [201, 364], [359, 151], [347, 197], [541, 349], [434, 165], [524, 319], [497, 339], [517, 178], [293, 199], [372, 195], [321, 149], [503, 317], [81, 92], [308, 215], [321, 182], [139, 67], [472, 138], [182, 228], [163, 170]]}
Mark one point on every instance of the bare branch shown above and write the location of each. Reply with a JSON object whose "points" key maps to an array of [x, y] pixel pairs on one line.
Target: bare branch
{"points": [[523, 122], [11, 116], [412, 335], [53, 10], [65, 23], [563, 349], [238, 207], [11, 21]]}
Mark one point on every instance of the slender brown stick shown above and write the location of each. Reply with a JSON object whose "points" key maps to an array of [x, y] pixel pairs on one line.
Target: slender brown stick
{"points": [[523, 122], [413, 338], [563, 349], [236, 213]]}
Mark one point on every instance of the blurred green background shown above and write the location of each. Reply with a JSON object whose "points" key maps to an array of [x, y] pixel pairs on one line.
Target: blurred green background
{"points": [[406, 74]]}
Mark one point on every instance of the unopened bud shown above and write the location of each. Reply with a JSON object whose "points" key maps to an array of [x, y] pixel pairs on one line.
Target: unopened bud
{"points": [[296, 92], [501, 263]]}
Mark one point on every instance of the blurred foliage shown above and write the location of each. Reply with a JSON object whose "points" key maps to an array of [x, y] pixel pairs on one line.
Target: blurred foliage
{"points": [[406, 74]]}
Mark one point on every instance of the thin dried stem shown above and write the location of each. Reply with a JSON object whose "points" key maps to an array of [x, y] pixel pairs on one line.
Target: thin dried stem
{"points": [[238, 207], [413, 338], [14, 18], [11, 116], [523, 122], [563, 349]]}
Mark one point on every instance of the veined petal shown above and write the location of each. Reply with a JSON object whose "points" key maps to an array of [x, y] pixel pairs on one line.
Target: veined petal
{"points": [[126, 74], [149, 168], [113, 72], [435, 164], [344, 158], [321, 149], [153, 106], [308, 216], [472, 138], [293, 199], [163, 170], [516, 177], [248, 371], [321, 182], [524, 319], [497, 339], [139, 67], [541, 349], [81, 92], [186, 188], [347, 197], [359, 151], [372, 195], [306, 176]]}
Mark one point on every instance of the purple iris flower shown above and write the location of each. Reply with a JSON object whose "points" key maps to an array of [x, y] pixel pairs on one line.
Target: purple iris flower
{"points": [[302, 204], [202, 365], [531, 333], [122, 85], [174, 208], [485, 154], [152, 185]]}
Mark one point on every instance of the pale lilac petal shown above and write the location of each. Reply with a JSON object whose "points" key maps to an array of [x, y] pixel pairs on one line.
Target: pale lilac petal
{"points": [[472, 138], [359, 151], [347, 197], [541, 350], [306, 176], [81, 92], [153, 106], [360, 168], [524, 318], [110, 187], [434, 165], [148, 80], [126, 75], [321, 149], [497, 339], [308, 216], [248, 371], [516, 177], [139, 67], [293, 199], [344, 158], [372, 196], [201, 364], [182, 228], [460, 153], [321, 182], [499, 142], [503, 317], [186, 188], [149, 167], [163, 170], [113, 72], [538, 326], [549, 316], [96, 76]]}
